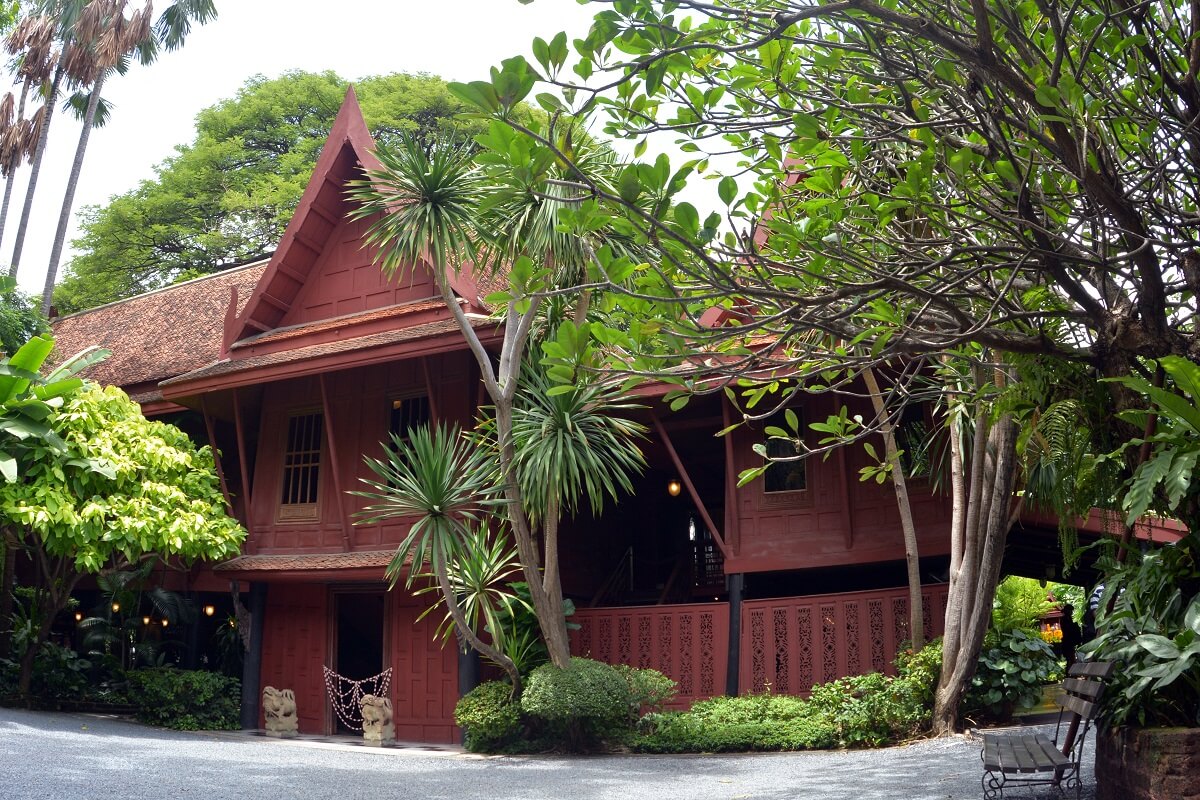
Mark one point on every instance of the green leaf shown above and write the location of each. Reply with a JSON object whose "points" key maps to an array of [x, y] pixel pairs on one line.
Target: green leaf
{"points": [[1159, 646], [727, 190]]}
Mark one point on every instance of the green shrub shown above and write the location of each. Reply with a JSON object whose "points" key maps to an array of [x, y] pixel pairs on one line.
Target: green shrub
{"points": [[185, 699], [586, 703], [1019, 604], [649, 689], [691, 733], [1010, 675], [489, 715]]}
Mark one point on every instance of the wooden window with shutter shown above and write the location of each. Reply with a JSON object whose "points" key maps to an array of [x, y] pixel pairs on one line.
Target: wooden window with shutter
{"points": [[302, 467]]}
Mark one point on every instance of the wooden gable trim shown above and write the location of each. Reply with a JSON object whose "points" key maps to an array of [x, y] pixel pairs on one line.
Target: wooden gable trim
{"points": [[349, 136]]}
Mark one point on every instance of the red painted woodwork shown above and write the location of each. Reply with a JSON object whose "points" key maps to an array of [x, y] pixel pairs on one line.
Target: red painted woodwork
{"points": [[790, 644], [295, 647], [688, 643], [424, 673], [799, 530], [360, 407]]}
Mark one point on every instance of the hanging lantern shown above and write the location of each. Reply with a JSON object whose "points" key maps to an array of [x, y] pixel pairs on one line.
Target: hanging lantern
{"points": [[116, 607], [673, 488], [78, 616], [209, 610], [145, 620], [164, 623]]}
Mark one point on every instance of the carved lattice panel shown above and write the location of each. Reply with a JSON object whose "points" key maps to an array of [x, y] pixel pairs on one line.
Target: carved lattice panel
{"points": [[624, 640], [707, 656], [668, 661], [758, 668], [927, 616], [644, 644], [875, 625], [781, 684], [604, 639], [804, 662], [853, 662], [900, 618], [829, 648], [687, 685]]}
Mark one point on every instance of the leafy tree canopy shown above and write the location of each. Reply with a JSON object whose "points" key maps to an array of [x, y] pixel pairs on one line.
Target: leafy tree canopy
{"points": [[125, 488], [225, 198], [20, 320]]}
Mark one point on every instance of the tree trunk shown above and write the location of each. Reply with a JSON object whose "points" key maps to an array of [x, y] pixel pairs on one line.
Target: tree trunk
{"points": [[973, 587], [916, 611], [8, 582], [468, 633], [64, 215], [35, 166]]}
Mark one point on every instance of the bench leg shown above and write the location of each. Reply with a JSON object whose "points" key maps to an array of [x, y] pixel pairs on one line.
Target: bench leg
{"points": [[993, 785]]}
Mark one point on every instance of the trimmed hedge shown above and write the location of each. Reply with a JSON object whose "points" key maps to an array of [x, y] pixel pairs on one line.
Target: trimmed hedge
{"points": [[185, 700], [585, 704], [489, 716]]}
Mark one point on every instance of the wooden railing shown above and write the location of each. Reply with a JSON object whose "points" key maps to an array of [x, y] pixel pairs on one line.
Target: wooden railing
{"points": [[689, 643], [787, 644]]}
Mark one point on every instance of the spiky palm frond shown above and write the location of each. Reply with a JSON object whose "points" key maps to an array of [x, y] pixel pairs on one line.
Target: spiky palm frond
{"points": [[426, 199], [572, 445], [479, 574], [439, 480]]}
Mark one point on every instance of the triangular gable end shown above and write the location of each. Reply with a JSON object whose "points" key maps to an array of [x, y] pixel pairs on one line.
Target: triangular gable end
{"points": [[311, 233]]}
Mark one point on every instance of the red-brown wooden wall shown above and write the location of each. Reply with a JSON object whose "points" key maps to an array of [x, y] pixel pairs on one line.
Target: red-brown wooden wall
{"points": [[298, 642], [360, 408]]}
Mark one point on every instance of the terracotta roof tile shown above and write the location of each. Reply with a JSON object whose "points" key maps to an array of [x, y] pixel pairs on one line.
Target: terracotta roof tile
{"points": [[387, 312], [307, 561], [328, 348], [159, 334]]}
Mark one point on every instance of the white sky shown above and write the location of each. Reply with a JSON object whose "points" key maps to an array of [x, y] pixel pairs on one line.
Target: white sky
{"points": [[155, 107]]}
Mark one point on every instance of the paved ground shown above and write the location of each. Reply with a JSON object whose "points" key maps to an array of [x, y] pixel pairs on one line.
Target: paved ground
{"points": [[68, 756]]}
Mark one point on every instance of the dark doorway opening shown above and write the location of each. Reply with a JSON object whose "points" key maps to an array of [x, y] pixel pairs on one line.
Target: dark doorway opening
{"points": [[359, 645]]}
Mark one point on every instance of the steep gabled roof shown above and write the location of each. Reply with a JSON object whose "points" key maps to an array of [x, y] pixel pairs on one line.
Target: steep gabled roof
{"points": [[159, 334], [347, 151]]}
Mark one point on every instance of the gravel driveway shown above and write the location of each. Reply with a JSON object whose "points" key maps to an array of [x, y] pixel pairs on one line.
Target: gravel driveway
{"points": [[67, 756]]}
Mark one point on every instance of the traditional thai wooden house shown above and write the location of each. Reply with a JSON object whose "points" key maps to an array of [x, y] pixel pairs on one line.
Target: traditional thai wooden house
{"points": [[298, 367]]}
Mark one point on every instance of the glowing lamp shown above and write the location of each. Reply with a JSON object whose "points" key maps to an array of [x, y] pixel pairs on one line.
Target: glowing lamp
{"points": [[116, 607], [145, 620], [165, 623], [673, 488], [209, 610], [78, 616]]}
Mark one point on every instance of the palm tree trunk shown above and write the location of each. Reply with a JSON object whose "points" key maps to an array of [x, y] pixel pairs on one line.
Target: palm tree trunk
{"points": [[467, 632], [916, 615], [64, 215], [35, 166], [12, 174]]}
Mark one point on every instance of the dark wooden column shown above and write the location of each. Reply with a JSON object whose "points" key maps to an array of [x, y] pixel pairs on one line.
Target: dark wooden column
{"points": [[737, 584], [468, 670], [252, 664]]}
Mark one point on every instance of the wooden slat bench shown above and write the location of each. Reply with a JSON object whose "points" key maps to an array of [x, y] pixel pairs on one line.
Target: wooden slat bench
{"points": [[1035, 759]]}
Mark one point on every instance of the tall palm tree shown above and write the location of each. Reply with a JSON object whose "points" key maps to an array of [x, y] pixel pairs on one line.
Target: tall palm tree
{"points": [[106, 38], [31, 41]]}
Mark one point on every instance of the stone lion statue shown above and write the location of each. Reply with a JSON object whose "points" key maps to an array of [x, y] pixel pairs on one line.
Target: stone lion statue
{"points": [[377, 719], [279, 711]]}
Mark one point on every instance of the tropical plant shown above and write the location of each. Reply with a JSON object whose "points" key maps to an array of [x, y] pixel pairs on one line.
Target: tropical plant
{"points": [[445, 483], [111, 490], [1019, 605], [433, 205], [1011, 674], [1153, 633], [27, 400]]}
